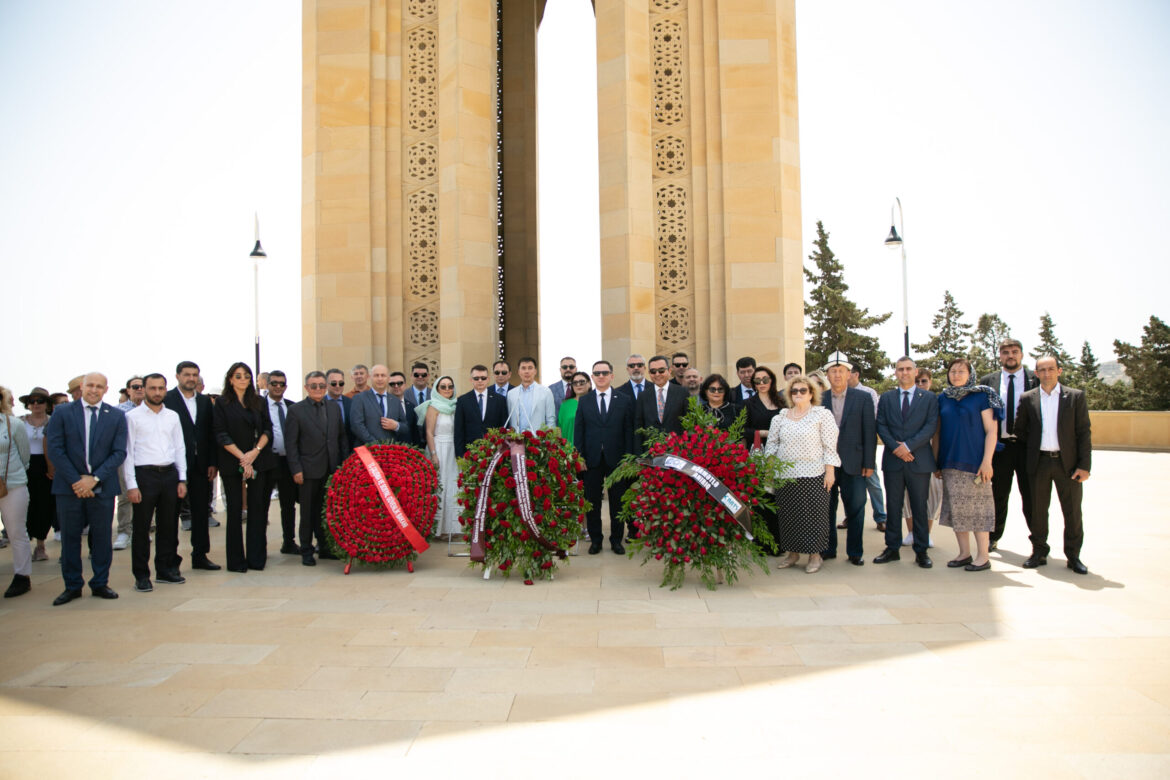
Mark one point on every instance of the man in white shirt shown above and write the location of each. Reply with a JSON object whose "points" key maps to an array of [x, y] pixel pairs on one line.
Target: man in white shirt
{"points": [[530, 406], [155, 474], [278, 409], [1053, 426]]}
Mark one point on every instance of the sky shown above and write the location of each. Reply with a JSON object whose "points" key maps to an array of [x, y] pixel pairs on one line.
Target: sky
{"points": [[1024, 139]]}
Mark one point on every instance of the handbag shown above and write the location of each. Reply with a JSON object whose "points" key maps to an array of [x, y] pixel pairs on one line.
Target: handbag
{"points": [[7, 458]]}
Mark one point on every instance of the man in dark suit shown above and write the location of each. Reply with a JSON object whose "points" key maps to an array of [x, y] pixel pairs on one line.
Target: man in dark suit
{"points": [[603, 434], [334, 393], [377, 415], [316, 443], [1053, 426], [477, 410], [745, 368], [1011, 382], [906, 420], [278, 409], [665, 403], [558, 389], [86, 444], [419, 390], [636, 370], [194, 410], [414, 435], [857, 446], [502, 373]]}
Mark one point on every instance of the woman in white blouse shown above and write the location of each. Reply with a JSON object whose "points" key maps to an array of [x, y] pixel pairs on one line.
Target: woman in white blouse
{"points": [[805, 436]]}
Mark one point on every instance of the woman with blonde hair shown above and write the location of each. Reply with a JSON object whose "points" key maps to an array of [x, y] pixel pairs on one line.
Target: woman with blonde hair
{"points": [[14, 460]]}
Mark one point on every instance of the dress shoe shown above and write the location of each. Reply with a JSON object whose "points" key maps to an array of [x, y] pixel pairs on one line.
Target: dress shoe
{"points": [[1073, 563], [842, 524], [618, 548], [171, 578], [856, 560], [881, 527], [326, 554], [1035, 561], [789, 561], [594, 548], [66, 596], [22, 585], [887, 555], [143, 585], [238, 569], [993, 547], [104, 592], [828, 556], [923, 560], [958, 562], [289, 548], [981, 567], [308, 560], [814, 564], [205, 563]]}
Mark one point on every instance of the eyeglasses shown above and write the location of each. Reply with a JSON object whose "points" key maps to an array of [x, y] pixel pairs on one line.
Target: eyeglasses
{"points": [[501, 373], [136, 387], [316, 386], [482, 378], [33, 401], [635, 365], [714, 389], [579, 382], [276, 383], [681, 365], [418, 375], [568, 368], [446, 387], [601, 373], [923, 381], [337, 384], [798, 391], [396, 384], [761, 380], [658, 370]]}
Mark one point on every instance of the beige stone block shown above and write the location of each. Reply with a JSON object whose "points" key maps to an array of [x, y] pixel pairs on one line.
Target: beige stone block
{"points": [[668, 681], [237, 703], [537, 638], [343, 18], [404, 638], [416, 706], [596, 657], [343, 42], [513, 657], [372, 678], [522, 681], [539, 707], [315, 655], [212, 676], [776, 655], [356, 114], [310, 736], [744, 51]]}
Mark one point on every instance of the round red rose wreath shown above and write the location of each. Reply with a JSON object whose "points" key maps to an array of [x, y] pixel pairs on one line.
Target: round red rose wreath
{"points": [[357, 520], [557, 499]]}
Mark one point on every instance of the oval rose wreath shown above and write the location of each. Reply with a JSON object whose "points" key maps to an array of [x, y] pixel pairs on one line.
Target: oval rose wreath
{"points": [[359, 526], [678, 521], [555, 498]]}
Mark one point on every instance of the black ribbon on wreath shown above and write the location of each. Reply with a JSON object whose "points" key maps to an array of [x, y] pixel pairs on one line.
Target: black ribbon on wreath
{"points": [[714, 486]]}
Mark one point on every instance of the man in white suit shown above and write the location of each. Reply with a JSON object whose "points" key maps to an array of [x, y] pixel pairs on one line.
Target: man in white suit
{"points": [[530, 406]]}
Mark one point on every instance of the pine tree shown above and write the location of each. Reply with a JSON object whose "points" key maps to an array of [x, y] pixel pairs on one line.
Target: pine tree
{"points": [[1090, 368], [951, 338], [1049, 344], [833, 321], [1148, 366], [989, 332]]}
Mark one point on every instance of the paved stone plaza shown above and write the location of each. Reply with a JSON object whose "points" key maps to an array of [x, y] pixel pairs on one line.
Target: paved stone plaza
{"points": [[880, 671]]}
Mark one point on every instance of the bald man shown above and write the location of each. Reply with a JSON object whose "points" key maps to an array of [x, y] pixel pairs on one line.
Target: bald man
{"points": [[376, 414], [86, 443]]}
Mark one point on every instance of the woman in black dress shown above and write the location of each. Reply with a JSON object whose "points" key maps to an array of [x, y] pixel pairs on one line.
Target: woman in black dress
{"points": [[243, 430], [761, 408], [713, 394]]}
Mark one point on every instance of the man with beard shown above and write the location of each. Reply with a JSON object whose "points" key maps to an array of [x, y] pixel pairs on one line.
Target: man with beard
{"points": [[636, 370], [194, 410], [562, 388], [692, 381]]}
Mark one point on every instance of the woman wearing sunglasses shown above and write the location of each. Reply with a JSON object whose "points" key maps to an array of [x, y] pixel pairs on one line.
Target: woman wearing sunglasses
{"points": [[715, 396], [437, 414], [42, 508], [579, 385], [805, 436]]}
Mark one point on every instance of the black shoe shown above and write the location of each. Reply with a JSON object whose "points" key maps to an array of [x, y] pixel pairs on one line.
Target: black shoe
{"points": [[238, 569], [856, 560], [21, 584], [66, 596], [308, 560], [958, 562], [887, 555], [881, 527], [143, 585], [618, 548], [983, 567], [594, 548], [205, 564], [993, 547], [923, 560], [290, 548], [171, 578], [104, 592], [1073, 563], [1035, 561], [828, 556], [325, 554]]}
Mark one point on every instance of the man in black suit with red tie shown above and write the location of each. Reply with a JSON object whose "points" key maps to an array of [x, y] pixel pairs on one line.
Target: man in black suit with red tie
{"points": [[663, 405], [1053, 428], [477, 410], [194, 410], [603, 434], [278, 409], [1011, 383]]}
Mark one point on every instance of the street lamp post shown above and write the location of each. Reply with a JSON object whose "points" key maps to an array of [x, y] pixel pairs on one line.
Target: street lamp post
{"points": [[894, 240], [257, 255]]}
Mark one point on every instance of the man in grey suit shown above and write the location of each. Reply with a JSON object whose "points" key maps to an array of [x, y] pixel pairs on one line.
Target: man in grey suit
{"points": [[314, 439], [857, 445], [558, 389], [377, 415], [1053, 426], [906, 421]]}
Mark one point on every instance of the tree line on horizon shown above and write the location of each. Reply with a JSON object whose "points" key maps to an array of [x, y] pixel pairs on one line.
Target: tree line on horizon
{"points": [[833, 322]]}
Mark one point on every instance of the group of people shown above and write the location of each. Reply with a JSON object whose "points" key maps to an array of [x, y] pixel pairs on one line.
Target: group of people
{"points": [[162, 450]]}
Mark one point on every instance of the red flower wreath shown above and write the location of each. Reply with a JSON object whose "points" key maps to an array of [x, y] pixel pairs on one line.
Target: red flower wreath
{"points": [[357, 520], [557, 500]]}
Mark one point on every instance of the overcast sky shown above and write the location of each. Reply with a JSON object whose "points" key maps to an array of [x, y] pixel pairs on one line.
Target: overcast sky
{"points": [[1025, 139]]}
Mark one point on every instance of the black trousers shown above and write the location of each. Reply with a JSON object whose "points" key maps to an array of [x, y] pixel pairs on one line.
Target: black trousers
{"points": [[42, 507], [255, 554], [1049, 473], [594, 479], [160, 500], [289, 491], [1004, 463], [198, 500], [311, 493], [899, 482]]}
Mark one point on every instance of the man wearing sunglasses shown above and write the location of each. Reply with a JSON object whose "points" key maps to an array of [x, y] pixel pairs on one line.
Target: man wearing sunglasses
{"points": [[664, 404], [135, 393], [679, 363], [477, 410], [420, 390], [335, 393], [398, 386], [636, 370], [560, 389], [279, 408], [502, 373], [603, 434]]}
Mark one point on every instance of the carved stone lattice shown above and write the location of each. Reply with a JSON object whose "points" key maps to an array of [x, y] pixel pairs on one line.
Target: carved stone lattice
{"points": [[422, 8], [423, 243], [422, 161], [422, 80], [674, 325], [424, 328], [665, 6], [670, 155], [672, 225], [669, 108]]}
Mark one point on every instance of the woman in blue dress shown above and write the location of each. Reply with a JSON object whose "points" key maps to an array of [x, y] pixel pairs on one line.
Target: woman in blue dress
{"points": [[963, 445]]}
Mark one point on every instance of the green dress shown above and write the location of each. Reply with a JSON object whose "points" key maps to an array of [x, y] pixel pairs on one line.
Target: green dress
{"points": [[567, 418]]}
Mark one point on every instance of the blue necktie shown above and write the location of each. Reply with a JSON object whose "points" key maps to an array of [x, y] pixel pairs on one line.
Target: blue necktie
{"points": [[92, 434], [603, 409], [382, 403], [905, 404]]}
